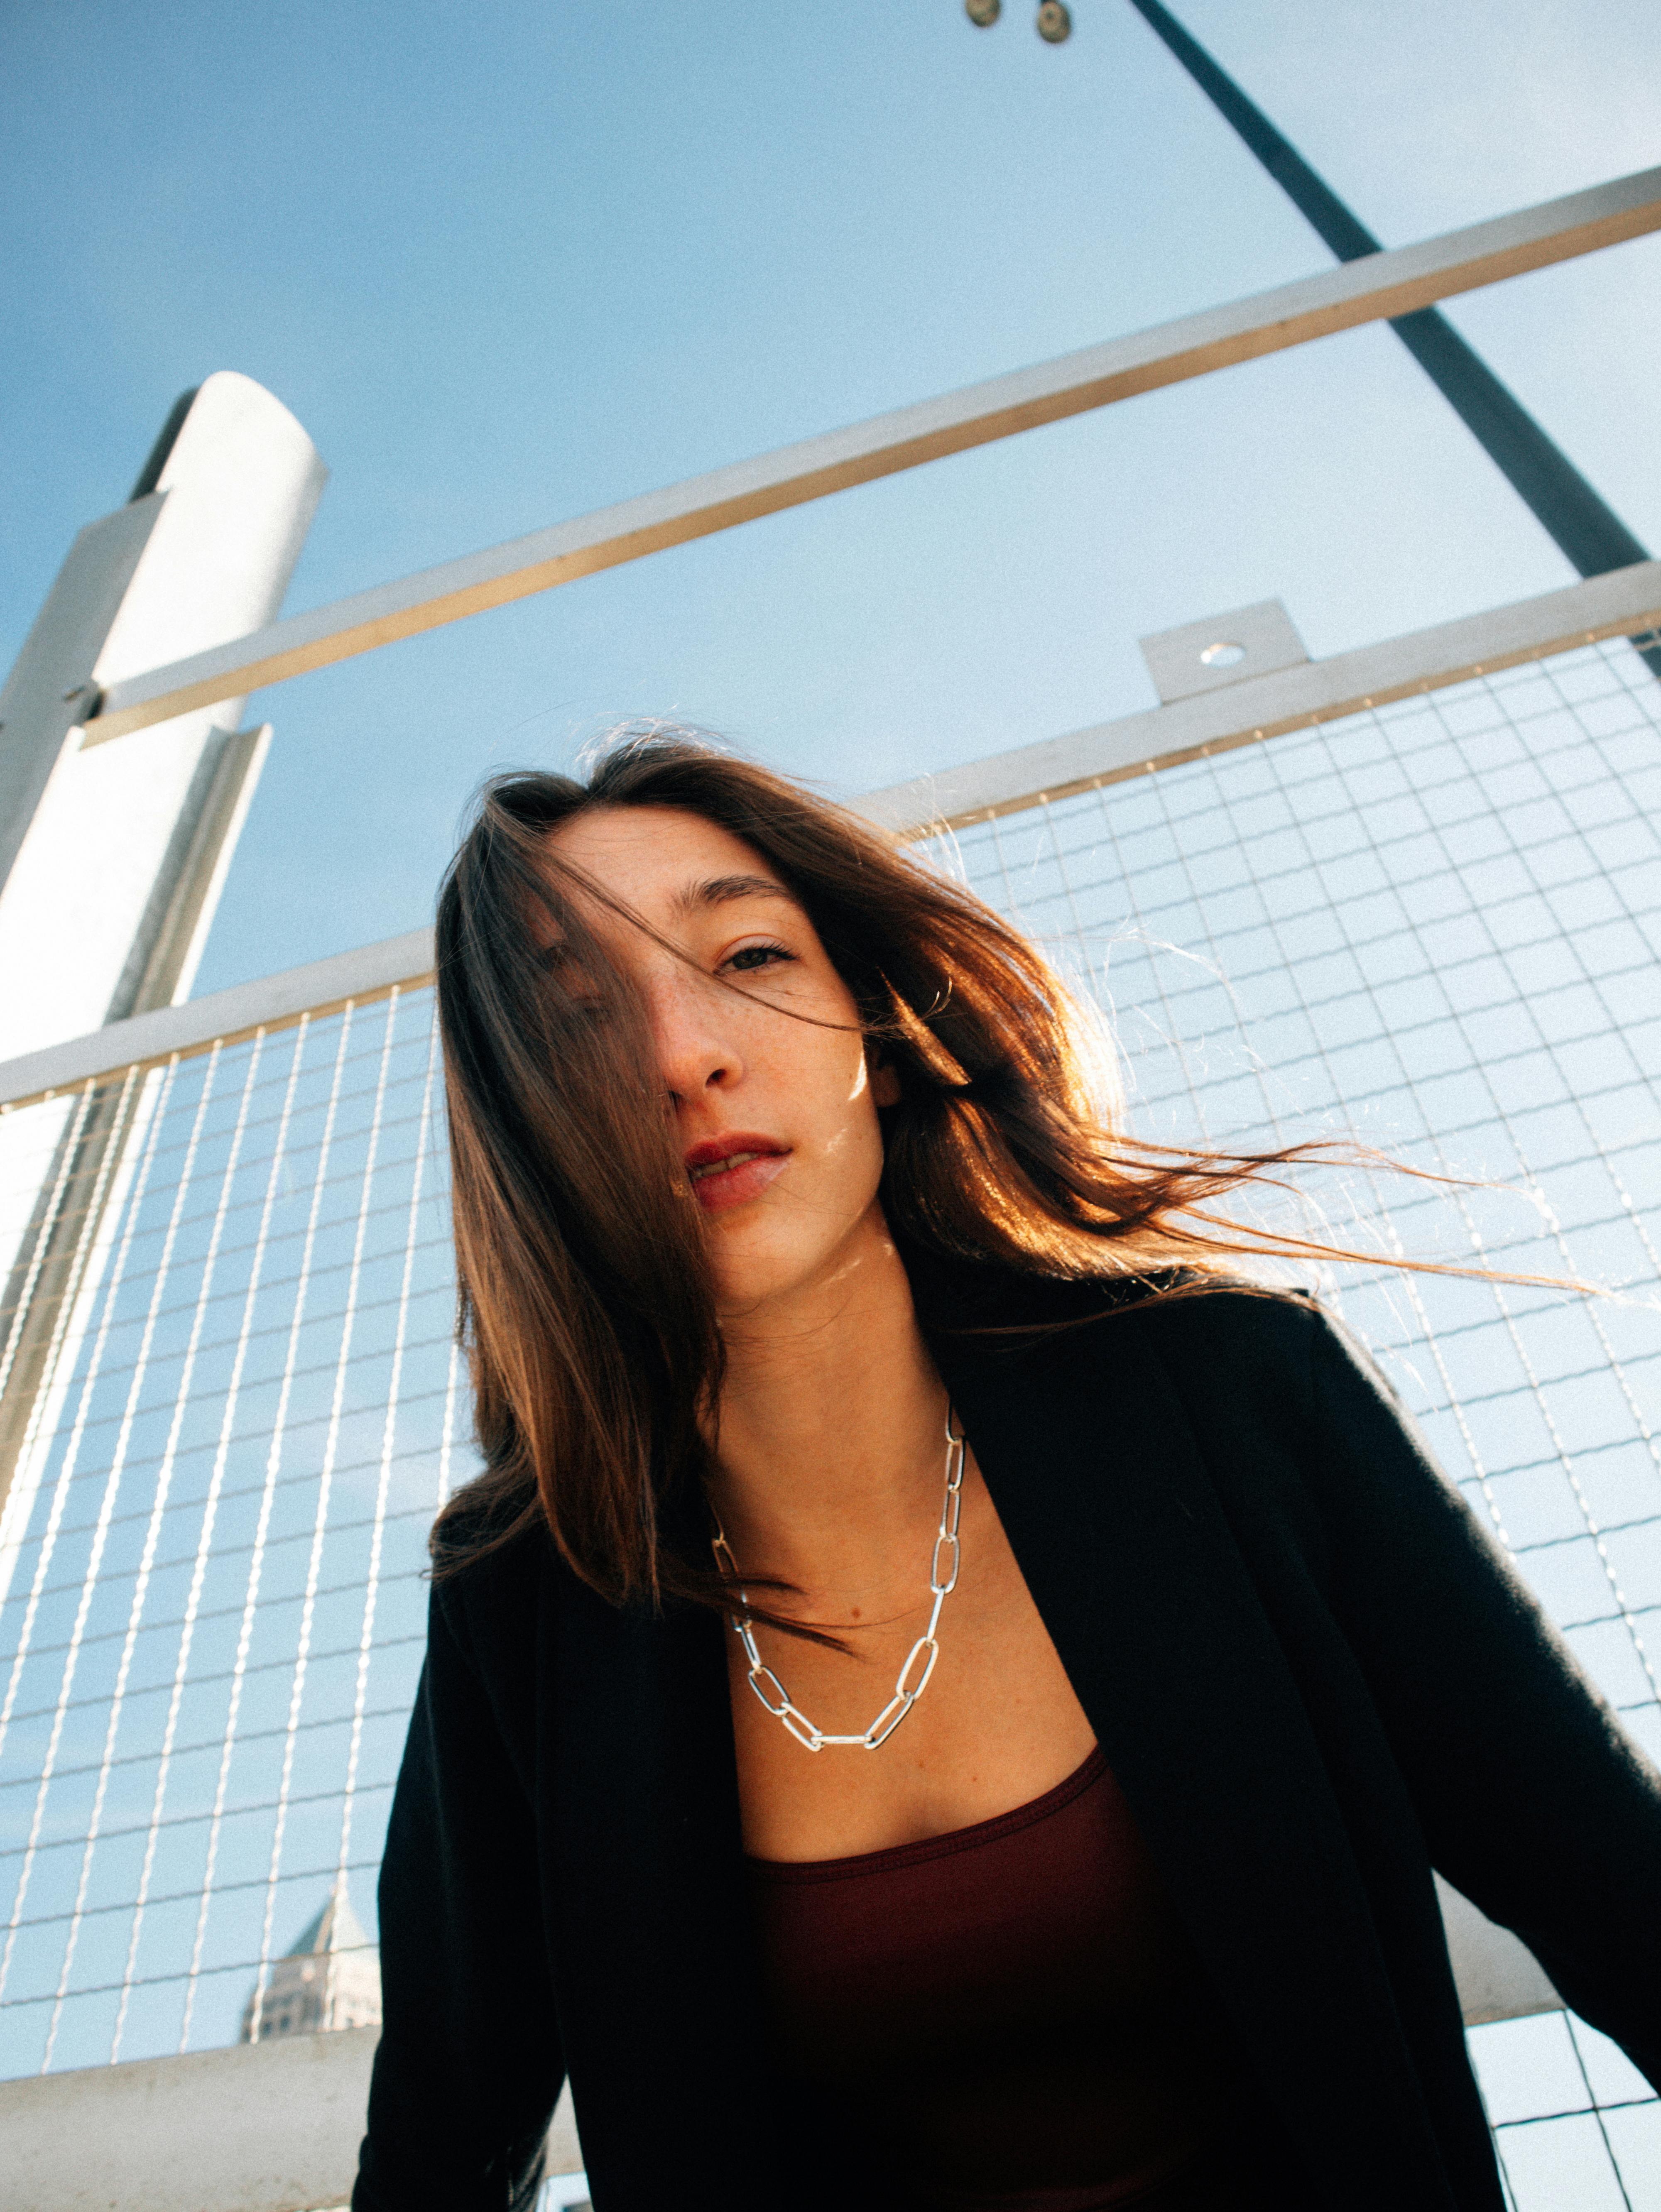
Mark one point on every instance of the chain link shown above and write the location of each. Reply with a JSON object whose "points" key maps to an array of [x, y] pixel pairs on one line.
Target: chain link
{"points": [[948, 1549]]}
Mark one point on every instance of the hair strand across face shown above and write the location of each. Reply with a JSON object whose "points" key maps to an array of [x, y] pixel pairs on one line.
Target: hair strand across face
{"points": [[587, 1303]]}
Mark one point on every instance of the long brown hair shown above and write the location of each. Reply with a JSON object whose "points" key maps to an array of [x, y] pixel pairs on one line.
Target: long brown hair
{"points": [[586, 1306]]}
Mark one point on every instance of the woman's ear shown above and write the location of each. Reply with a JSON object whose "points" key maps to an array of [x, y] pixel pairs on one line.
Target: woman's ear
{"points": [[884, 1084]]}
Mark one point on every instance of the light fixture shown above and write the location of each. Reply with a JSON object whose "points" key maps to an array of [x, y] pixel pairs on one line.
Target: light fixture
{"points": [[1055, 21]]}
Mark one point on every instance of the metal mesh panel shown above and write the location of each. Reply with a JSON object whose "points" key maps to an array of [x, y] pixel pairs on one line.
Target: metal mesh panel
{"points": [[213, 1610], [1436, 924]]}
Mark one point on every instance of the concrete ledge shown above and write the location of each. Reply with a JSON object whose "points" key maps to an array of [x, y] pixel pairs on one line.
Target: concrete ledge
{"points": [[275, 2127], [1498, 1977], [264, 2127]]}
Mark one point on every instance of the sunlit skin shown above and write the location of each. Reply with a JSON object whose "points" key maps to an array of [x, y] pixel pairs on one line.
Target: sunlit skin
{"points": [[830, 1443]]}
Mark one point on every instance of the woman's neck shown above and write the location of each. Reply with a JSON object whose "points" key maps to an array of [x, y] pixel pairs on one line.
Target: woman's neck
{"points": [[832, 1438]]}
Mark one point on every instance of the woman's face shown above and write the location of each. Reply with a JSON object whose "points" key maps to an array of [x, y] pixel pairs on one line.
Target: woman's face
{"points": [[777, 1117]]}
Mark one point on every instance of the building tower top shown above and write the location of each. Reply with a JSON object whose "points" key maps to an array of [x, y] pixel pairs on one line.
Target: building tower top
{"points": [[330, 1979]]}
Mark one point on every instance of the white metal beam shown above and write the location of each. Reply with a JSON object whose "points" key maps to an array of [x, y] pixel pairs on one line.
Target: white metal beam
{"points": [[1384, 285], [112, 862], [103, 855], [1618, 605], [367, 972], [1623, 604]]}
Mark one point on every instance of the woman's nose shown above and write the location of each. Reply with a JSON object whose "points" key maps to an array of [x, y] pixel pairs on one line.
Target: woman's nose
{"points": [[695, 1049]]}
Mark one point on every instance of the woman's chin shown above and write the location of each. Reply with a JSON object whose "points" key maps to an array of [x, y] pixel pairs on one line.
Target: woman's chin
{"points": [[753, 1269], [759, 1262], [740, 1292]]}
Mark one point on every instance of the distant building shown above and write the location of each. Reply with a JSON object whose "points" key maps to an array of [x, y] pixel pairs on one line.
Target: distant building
{"points": [[332, 1978]]}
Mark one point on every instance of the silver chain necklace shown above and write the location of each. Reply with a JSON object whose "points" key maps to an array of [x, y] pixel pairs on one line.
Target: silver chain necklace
{"points": [[942, 1581]]}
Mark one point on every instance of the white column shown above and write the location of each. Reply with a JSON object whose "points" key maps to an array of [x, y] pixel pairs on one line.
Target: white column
{"points": [[111, 859]]}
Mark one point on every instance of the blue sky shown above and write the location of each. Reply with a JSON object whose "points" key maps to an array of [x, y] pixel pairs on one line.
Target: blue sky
{"points": [[511, 263]]}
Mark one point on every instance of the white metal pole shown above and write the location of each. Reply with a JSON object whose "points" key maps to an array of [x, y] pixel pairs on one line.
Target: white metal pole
{"points": [[1386, 285], [112, 859]]}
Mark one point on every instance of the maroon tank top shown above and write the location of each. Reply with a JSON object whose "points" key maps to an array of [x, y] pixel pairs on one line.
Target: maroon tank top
{"points": [[1015, 2014]]}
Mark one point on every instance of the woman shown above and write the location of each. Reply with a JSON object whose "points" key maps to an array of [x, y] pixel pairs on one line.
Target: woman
{"points": [[944, 1696]]}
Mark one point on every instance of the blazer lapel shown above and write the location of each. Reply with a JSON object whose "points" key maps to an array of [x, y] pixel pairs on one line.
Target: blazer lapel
{"points": [[1101, 1487]]}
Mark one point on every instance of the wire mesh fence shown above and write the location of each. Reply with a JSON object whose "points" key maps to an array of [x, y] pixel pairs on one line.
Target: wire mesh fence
{"points": [[213, 1615], [1434, 925]]}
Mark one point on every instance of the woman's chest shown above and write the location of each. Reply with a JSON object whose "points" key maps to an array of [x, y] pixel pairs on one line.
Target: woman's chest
{"points": [[1012, 2009], [997, 1725]]}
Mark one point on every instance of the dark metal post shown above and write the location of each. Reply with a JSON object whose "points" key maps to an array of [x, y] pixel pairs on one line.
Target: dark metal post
{"points": [[1590, 534]]}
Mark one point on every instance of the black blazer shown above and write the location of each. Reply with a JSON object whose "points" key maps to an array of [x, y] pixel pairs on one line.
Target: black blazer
{"points": [[1314, 1673]]}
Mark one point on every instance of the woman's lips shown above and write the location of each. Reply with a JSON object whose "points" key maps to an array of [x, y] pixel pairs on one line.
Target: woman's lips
{"points": [[728, 1171]]}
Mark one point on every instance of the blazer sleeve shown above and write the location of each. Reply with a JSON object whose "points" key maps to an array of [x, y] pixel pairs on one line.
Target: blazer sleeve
{"points": [[1533, 1800], [469, 2067]]}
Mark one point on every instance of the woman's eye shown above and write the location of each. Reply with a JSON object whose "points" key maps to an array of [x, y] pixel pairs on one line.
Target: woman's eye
{"points": [[749, 957]]}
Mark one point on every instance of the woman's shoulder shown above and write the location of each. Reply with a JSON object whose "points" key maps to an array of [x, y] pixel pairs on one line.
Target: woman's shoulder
{"points": [[1221, 1344], [1231, 1315], [489, 1556], [1262, 1376], [1070, 1317]]}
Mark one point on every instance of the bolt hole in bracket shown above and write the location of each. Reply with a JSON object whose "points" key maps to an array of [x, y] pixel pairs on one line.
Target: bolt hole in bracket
{"points": [[1225, 647]]}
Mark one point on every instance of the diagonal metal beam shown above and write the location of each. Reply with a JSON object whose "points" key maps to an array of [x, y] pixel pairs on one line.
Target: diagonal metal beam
{"points": [[1382, 286], [1585, 527]]}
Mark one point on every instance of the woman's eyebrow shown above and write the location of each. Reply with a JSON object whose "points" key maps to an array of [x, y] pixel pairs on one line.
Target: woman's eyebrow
{"points": [[717, 890]]}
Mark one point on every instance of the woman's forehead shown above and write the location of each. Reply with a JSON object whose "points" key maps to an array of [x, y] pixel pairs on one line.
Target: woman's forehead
{"points": [[666, 861]]}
